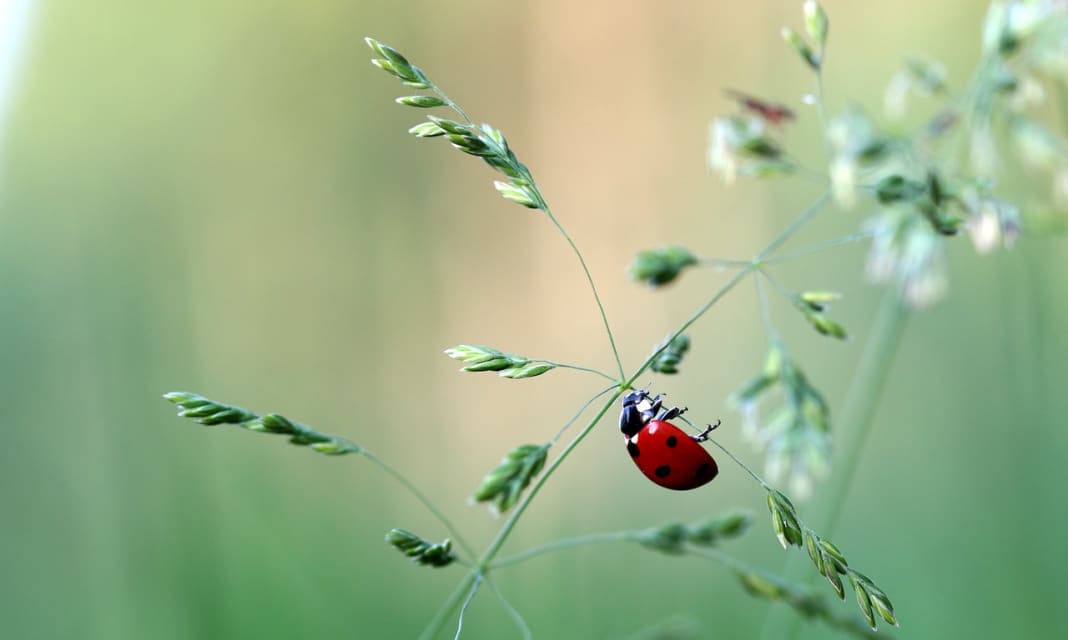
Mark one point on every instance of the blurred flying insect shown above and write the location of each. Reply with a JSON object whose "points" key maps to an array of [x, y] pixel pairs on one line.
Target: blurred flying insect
{"points": [[770, 112]]}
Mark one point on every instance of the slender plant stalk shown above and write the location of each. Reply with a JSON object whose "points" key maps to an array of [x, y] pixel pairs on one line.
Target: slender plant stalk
{"points": [[821, 108], [421, 497], [818, 247], [1062, 105], [742, 570], [722, 291], [720, 263], [752, 474], [513, 613], [483, 564], [801, 221], [509, 524], [467, 603], [578, 368], [582, 410], [861, 401], [765, 311], [779, 240], [589, 279], [446, 609], [565, 543], [544, 206]]}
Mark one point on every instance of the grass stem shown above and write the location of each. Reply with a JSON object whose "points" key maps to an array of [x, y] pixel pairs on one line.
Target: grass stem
{"points": [[862, 399]]}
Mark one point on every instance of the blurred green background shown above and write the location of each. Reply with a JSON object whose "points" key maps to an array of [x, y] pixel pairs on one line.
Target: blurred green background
{"points": [[222, 198]]}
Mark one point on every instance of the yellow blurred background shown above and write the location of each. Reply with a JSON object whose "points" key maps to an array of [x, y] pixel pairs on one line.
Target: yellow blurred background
{"points": [[222, 198]]}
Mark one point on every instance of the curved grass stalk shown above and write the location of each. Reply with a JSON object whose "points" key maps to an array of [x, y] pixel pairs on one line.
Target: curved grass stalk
{"points": [[862, 399], [445, 610], [576, 367], [565, 543], [467, 603], [544, 206], [513, 613], [819, 246], [421, 497], [589, 278], [582, 410]]}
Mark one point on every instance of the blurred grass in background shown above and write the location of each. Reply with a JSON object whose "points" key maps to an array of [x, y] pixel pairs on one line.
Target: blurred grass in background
{"points": [[221, 197]]}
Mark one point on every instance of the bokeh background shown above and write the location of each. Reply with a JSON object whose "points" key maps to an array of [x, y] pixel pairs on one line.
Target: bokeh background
{"points": [[222, 198]]}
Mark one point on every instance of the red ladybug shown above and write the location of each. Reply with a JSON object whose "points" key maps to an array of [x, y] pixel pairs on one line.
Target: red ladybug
{"points": [[666, 454]]}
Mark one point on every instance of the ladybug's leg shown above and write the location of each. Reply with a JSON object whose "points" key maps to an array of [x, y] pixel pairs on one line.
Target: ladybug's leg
{"points": [[673, 412], [701, 437], [631, 421], [654, 405]]}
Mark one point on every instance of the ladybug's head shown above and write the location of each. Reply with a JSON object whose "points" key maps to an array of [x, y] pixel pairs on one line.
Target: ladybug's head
{"points": [[635, 397]]}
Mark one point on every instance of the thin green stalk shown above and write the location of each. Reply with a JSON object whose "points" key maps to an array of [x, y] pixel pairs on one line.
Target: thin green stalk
{"points": [[801, 221], [446, 609], [765, 311], [589, 278], [753, 264], [450, 103], [862, 399], [1062, 104], [821, 107], [467, 603], [752, 474], [509, 524], [582, 410], [720, 263], [562, 365], [816, 177], [544, 206], [421, 497], [783, 291], [730, 562], [722, 291], [818, 247], [565, 543], [794, 592], [513, 613], [740, 569]]}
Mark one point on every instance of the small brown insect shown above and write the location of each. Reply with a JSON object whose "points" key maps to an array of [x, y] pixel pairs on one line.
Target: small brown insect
{"points": [[771, 112]]}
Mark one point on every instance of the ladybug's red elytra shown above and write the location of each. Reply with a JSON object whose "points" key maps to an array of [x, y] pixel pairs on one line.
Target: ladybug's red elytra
{"points": [[664, 453]]}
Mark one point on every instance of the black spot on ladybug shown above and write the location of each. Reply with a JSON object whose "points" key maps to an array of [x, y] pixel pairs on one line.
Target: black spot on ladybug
{"points": [[632, 449], [702, 471], [663, 471], [672, 441]]}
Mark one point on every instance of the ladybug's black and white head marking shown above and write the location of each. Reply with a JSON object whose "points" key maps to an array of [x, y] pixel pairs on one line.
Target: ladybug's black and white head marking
{"points": [[638, 410]]}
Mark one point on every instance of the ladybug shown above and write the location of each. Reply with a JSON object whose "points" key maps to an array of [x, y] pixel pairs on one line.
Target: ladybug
{"points": [[667, 455]]}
